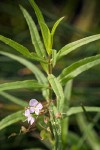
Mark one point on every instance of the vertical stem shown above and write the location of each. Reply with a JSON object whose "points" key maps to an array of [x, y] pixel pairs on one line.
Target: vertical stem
{"points": [[50, 72], [50, 102], [55, 122]]}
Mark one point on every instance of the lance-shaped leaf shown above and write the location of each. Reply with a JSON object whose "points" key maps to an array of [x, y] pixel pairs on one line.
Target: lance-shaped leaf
{"points": [[76, 110], [57, 88], [54, 57], [14, 99], [11, 119], [78, 67], [37, 11], [44, 29], [55, 27], [29, 84], [36, 41], [35, 70], [38, 74], [74, 45], [21, 49], [46, 37]]}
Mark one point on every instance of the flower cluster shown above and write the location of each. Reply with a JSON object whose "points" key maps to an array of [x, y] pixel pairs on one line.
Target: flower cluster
{"points": [[34, 107]]}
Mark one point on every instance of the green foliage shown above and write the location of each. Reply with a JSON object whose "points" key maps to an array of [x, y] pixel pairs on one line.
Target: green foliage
{"points": [[75, 110], [44, 29], [74, 45], [46, 37], [35, 70], [56, 86], [55, 27], [78, 67], [13, 118], [31, 84], [34, 34], [23, 50]]}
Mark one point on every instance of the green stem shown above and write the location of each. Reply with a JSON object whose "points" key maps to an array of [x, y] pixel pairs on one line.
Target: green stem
{"points": [[50, 72], [55, 122]]}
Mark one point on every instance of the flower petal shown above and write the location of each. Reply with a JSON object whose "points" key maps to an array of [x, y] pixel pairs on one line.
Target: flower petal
{"points": [[32, 109], [39, 106], [33, 102], [32, 120], [37, 111], [27, 112], [29, 119]]}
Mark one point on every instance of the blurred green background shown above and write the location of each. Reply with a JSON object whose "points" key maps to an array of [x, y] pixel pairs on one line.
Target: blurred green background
{"points": [[82, 18]]}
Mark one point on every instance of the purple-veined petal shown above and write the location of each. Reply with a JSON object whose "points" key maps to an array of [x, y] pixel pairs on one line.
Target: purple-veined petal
{"points": [[33, 102], [39, 106]]}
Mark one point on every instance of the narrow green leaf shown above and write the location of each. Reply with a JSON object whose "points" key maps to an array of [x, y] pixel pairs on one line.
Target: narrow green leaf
{"points": [[37, 11], [54, 57], [11, 119], [38, 74], [21, 49], [55, 27], [67, 92], [32, 84], [34, 56], [34, 34], [14, 99], [44, 28], [74, 45], [57, 88], [75, 110], [46, 37], [78, 67]]}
